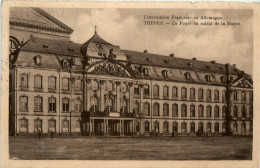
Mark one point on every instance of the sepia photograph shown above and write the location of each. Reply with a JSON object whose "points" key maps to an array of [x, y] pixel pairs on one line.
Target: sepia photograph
{"points": [[137, 83]]}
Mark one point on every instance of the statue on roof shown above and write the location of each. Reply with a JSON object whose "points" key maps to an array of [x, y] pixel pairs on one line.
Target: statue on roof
{"points": [[111, 54]]}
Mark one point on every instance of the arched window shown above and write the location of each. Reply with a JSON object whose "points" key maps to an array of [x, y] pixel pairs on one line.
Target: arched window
{"points": [[183, 92], [94, 85], [65, 104], [192, 127], [52, 104], [146, 126], [156, 109], [137, 107], [224, 127], [23, 125], [65, 126], [223, 95], [216, 127], [156, 90], [174, 92], [208, 127], [38, 81], [216, 110], [243, 127], [165, 109], [175, 126], [156, 126], [165, 91], [52, 125], [78, 125], [184, 110], [208, 94], [201, 111], [235, 111], [243, 96], [192, 110], [109, 105], [38, 104], [183, 127], [78, 105], [208, 111], [243, 111], [109, 86], [23, 103], [124, 108], [235, 95], [175, 110], [235, 127], [95, 105], [123, 87], [201, 129], [200, 93], [224, 110], [165, 127], [146, 108], [192, 93], [216, 95], [38, 125]]}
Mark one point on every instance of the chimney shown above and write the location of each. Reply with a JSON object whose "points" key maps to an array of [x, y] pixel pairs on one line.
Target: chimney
{"points": [[234, 65], [213, 62], [194, 59], [145, 51], [171, 55]]}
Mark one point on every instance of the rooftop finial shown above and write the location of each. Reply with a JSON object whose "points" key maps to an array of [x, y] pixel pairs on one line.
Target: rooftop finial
{"points": [[95, 29]]}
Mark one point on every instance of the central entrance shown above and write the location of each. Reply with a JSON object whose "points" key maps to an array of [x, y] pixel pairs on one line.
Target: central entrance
{"points": [[99, 127], [114, 127]]}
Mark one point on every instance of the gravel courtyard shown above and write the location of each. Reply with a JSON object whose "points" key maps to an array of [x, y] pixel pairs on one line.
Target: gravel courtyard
{"points": [[129, 148]]}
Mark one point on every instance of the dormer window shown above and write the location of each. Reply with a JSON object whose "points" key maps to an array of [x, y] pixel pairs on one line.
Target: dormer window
{"points": [[149, 59], [37, 60], [187, 76], [146, 71], [208, 78], [165, 73], [190, 64], [65, 63], [70, 49], [208, 67], [223, 79], [45, 45]]}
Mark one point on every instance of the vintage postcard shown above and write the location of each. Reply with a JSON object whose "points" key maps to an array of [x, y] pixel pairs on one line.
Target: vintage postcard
{"points": [[130, 84]]}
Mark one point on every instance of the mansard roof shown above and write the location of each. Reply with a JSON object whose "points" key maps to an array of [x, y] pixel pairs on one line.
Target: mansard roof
{"points": [[179, 63], [175, 66], [36, 18]]}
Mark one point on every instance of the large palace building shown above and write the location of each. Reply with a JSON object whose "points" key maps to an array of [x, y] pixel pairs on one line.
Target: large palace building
{"points": [[96, 88]]}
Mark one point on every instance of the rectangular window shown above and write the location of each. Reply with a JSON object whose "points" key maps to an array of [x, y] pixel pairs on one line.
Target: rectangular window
{"points": [[52, 83], [52, 104], [65, 105], [208, 111], [146, 127], [156, 109], [208, 127], [174, 92], [183, 127], [192, 93], [224, 95], [24, 81], [136, 90], [24, 103], [38, 104], [38, 81], [78, 84], [183, 93], [156, 126], [165, 91], [23, 125], [192, 127], [200, 93], [156, 90], [65, 84], [192, 110], [146, 90], [235, 95], [165, 127], [137, 107]]}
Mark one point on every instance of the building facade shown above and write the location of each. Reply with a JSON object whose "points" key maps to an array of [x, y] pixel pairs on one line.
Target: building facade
{"points": [[97, 88]]}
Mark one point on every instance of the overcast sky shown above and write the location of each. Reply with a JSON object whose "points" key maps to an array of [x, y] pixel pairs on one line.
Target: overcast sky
{"points": [[125, 27]]}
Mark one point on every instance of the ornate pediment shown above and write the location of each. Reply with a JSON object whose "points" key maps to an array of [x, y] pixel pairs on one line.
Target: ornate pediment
{"points": [[107, 68], [243, 83]]}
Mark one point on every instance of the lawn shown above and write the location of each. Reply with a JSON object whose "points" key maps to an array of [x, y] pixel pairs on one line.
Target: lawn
{"points": [[129, 148]]}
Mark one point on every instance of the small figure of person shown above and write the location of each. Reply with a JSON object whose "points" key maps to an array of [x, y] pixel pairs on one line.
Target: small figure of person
{"points": [[39, 133], [52, 132], [173, 135]]}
